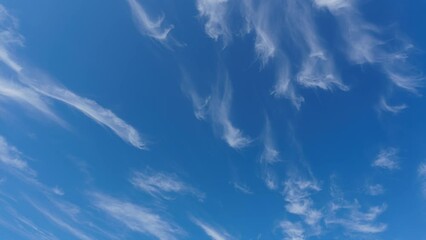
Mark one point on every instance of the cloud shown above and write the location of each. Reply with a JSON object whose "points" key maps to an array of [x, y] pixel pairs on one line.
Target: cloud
{"points": [[284, 86], [375, 190], [269, 156], [385, 107], [11, 157], [89, 108], [242, 188], [387, 159], [317, 68], [161, 184], [199, 104], [363, 45], [137, 218], [422, 175], [146, 25], [215, 13], [292, 231], [258, 19], [8, 39], [298, 202], [220, 110], [61, 223], [213, 233], [355, 220], [33, 93]]}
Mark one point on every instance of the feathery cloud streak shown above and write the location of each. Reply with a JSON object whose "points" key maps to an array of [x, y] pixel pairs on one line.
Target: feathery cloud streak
{"points": [[162, 184], [146, 25], [213, 233], [137, 218], [220, 110], [215, 13], [33, 89]]}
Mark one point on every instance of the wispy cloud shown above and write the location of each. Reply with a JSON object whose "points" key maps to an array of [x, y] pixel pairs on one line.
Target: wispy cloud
{"points": [[317, 68], [34, 93], [11, 157], [8, 39], [60, 222], [375, 189], [363, 45], [355, 220], [292, 231], [284, 86], [269, 156], [387, 159], [257, 16], [162, 184], [220, 109], [242, 188], [137, 218], [212, 232], [199, 104], [88, 107], [297, 196], [395, 109], [422, 175], [215, 14], [151, 27]]}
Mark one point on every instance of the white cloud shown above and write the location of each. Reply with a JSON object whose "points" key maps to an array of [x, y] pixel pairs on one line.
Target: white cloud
{"points": [[242, 188], [297, 196], [269, 156], [257, 17], [161, 184], [387, 159], [88, 107], [32, 92], [363, 45], [317, 68], [137, 218], [422, 175], [213, 233], [284, 86], [215, 13], [220, 109], [8, 39], [375, 189], [292, 231], [60, 222], [199, 104], [384, 106], [12, 158], [146, 25], [355, 220]]}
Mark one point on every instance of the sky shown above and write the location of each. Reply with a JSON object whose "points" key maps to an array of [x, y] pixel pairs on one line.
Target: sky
{"points": [[212, 119]]}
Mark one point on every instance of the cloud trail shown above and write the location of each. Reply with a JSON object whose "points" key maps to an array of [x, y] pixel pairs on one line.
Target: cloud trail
{"points": [[137, 218], [213, 233], [146, 25], [215, 13]]}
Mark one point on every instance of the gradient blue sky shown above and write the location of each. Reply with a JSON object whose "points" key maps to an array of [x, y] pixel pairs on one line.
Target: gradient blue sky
{"points": [[212, 119]]}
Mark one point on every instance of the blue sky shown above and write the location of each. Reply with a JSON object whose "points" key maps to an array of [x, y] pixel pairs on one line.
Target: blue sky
{"points": [[212, 119]]}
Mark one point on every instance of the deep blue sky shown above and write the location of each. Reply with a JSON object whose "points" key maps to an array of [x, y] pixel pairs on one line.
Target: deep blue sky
{"points": [[212, 119]]}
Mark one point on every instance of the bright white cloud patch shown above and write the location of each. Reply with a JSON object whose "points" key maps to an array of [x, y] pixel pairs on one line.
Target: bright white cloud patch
{"points": [[215, 14], [161, 184], [151, 27], [213, 233], [137, 218], [387, 159]]}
